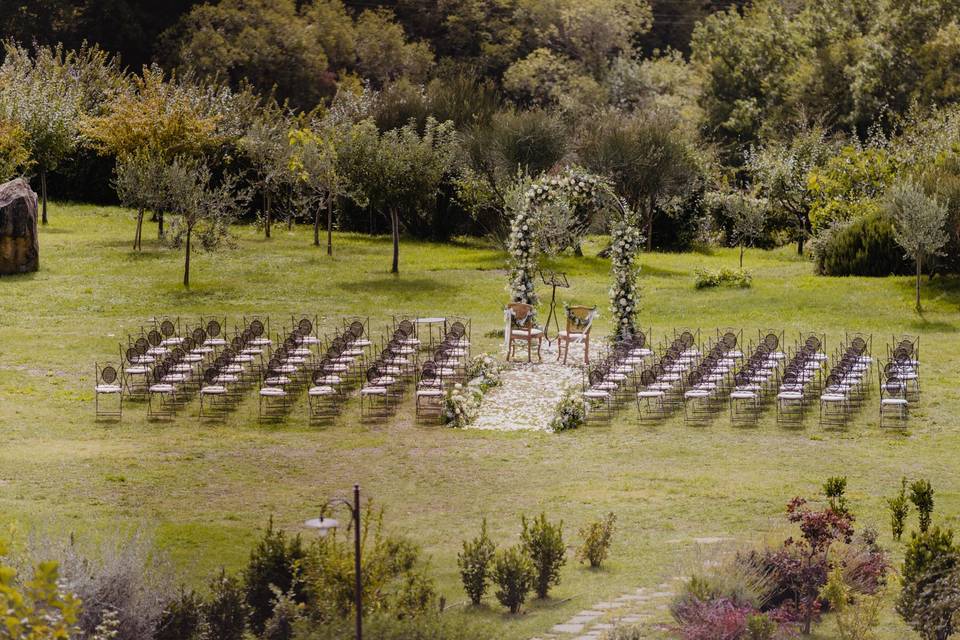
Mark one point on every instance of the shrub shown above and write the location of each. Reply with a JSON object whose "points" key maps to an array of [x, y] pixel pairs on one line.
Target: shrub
{"points": [[856, 616], [865, 246], [597, 537], [719, 619], [274, 565], [921, 495], [181, 617], [625, 632], [123, 575], [474, 562], [514, 575], [225, 614], [930, 597], [461, 405], [834, 488], [706, 278], [37, 607], [388, 627], [394, 579], [571, 412], [485, 369], [761, 627], [543, 543], [286, 612], [899, 508]]}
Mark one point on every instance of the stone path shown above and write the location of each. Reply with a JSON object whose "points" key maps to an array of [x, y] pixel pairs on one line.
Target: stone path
{"points": [[646, 608]]}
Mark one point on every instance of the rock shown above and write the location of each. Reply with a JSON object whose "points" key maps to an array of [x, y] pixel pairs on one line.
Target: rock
{"points": [[19, 243]]}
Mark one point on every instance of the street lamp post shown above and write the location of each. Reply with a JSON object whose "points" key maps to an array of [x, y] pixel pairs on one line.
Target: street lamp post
{"points": [[325, 525]]}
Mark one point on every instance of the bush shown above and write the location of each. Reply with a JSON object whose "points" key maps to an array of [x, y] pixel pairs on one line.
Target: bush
{"points": [[181, 617], [474, 562], [899, 509], [286, 613], [930, 597], [713, 619], [834, 488], [571, 413], [514, 575], [865, 246], [856, 617], [394, 574], [274, 565], [123, 575], [597, 537], [626, 632], [921, 495], [706, 278], [388, 627], [225, 614], [543, 543], [37, 607]]}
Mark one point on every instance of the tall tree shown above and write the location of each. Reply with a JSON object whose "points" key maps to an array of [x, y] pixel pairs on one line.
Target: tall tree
{"points": [[647, 157], [919, 222], [41, 95], [313, 162], [398, 173], [203, 210], [266, 145]]}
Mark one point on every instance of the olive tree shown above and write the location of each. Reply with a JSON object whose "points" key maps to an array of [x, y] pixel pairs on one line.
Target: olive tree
{"points": [[266, 146], [399, 172], [747, 213], [139, 182], [40, 95], [918, 224], [313, 162], [201, 208], [646, 156]]}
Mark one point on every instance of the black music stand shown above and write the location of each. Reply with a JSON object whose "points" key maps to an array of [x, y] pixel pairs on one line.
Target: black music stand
{"points": [[553, 279]]}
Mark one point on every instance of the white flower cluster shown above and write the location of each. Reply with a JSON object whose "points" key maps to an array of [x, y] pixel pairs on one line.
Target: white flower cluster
{"points": [[570, 413], [522, 259], [485, 371], [461, 405], [626, 242]]}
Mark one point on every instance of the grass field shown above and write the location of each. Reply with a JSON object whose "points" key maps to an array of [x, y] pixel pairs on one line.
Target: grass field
{"points": [[205, 491]]}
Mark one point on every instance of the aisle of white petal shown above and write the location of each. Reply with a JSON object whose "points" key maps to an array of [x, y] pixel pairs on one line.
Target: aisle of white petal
{"points": [[529, 394]]}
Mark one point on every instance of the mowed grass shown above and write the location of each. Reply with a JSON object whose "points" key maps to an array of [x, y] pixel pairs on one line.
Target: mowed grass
{"points": [[206, 491]]}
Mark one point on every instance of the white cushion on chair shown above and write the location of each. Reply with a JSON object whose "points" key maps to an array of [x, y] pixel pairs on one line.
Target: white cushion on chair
{"points": [[595, 393], [162, 388], [790, 395], [833, 397], [379, 391], [650, 394], [743, 395], [432, 393], [321, 390], [108, 388], [894, 401], [273, 392], [137, 371], [214, 390], [523, 333]]}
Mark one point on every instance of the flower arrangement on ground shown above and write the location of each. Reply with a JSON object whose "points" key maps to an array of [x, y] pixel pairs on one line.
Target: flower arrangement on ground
{"points": [[571, 413], [461, 405], [485, 370]]}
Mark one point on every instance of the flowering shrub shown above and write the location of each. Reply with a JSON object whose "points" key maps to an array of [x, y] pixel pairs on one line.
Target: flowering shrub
{"points": [[523, 258], [706, 278], [570, 413], [485, 370], [461, 406], [624, 296]]}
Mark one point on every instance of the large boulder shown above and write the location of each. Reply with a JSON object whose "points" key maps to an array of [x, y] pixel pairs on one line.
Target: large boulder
{"points": [[19, 243]]}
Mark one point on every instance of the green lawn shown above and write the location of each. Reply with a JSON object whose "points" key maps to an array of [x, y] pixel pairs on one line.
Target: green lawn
{"points": [[205, 491]]}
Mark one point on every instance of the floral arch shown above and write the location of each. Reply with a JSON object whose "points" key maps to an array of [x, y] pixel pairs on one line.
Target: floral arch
{"points": [[587, 195]]}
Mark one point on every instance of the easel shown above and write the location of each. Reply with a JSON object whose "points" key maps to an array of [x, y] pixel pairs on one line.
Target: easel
{"points": [[553, 279]]}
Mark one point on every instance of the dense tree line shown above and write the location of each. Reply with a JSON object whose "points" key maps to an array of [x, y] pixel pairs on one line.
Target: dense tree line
{"points": [[793, 120]]}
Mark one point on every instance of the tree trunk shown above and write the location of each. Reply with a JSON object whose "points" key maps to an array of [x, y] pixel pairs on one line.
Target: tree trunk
{"points": [[186, 261], [160, 225], [266, 212], [370, 213], [136, 238], [395, 225], [804, 227], [43, 192], [741, 256], [329, 225], [918, 284], [316, 227], [650, 226]]}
